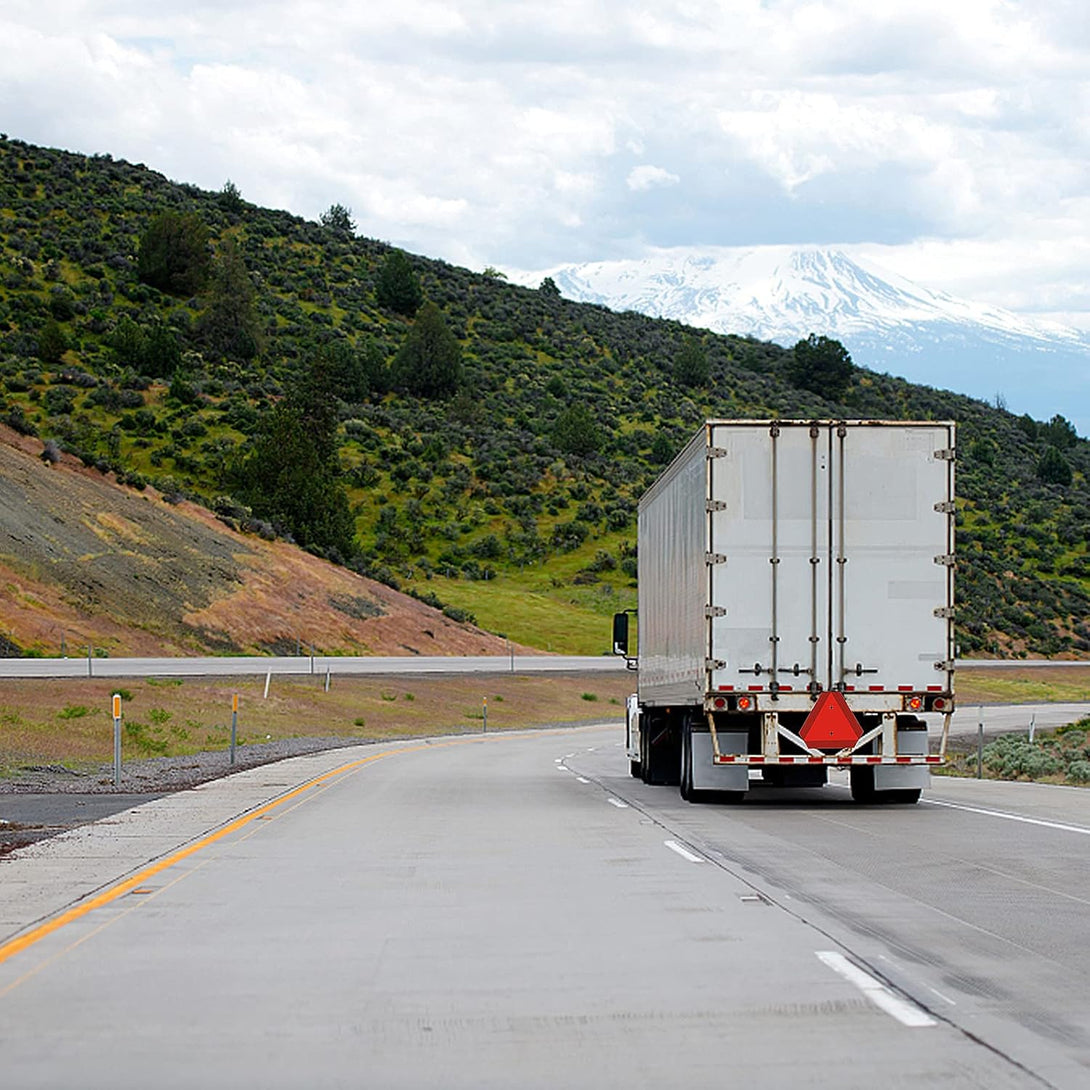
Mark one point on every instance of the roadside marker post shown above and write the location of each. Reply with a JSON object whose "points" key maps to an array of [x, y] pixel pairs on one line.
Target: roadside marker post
{"points": [[268, 679], [484, 705], [234, 725], [117, 739], [980, 744]]}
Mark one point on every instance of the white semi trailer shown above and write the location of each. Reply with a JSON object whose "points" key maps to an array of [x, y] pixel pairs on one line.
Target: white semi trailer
{"points": [[795, 611]]}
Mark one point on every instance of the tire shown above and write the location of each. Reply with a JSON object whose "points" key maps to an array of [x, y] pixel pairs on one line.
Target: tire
{"points": [[863, 790], [728, 798], [661, 753], [635, 770], [862, 779], [906, 796], [685, 773]]}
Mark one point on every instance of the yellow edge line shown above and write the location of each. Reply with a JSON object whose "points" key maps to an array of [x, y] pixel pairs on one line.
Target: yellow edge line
{"points": [[22, 942]]}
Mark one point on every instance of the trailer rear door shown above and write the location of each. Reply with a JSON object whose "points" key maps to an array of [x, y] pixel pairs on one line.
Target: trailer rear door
{"points": [[822, 547]]}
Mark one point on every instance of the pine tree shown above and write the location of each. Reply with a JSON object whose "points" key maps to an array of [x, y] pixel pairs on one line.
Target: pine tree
{"points": [[230, 325], [174, 255], [576, 432], [338, 219], [52, 343], [692, 364], [821, 365], [429, 363], [291, 475], [398, 287]]}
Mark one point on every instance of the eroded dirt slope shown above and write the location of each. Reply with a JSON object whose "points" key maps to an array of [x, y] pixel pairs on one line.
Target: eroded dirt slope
{"points": [[84, 559]]}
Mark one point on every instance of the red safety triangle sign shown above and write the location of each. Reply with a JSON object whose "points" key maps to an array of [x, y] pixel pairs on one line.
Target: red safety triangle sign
{"points": [[831, 724]]}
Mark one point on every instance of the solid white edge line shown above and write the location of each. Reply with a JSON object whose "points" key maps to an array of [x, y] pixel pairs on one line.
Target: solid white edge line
{"points": [[907, 1013], [1012, 817], [684, 852]]}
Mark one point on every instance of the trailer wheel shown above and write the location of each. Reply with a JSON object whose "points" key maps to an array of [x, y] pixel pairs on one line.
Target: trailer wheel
{"points": [[685, 775], [863, 790], [660, 750], [862, 779], [905, 795], [635, 770]]}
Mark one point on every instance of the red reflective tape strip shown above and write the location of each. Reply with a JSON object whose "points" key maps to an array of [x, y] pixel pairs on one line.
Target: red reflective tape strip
{"points": [[726, 688], [757, 760], [874, 760], [755, 688], [785, 688], [904, 688], [934, 688], [849, 688], [904, 760], [874, 688], [818, 760]]}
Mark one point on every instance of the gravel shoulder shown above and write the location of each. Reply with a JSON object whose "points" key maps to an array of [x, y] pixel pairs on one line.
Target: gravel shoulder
{"points": [[44, 800]]}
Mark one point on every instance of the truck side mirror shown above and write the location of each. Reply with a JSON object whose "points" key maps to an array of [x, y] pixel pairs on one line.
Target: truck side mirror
{"points": [[620, 634]]}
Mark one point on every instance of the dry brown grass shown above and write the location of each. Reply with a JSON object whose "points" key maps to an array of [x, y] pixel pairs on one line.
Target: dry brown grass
{"points": [[68, 721], [1061, 684]]}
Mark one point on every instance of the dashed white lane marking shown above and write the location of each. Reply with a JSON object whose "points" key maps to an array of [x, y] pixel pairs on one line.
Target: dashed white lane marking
{"points": [[684, 852], [908, 1014], [582, 779], [616, 802], [1012, 817]]}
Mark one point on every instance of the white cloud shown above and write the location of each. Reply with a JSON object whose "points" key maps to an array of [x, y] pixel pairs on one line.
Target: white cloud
{"points": [[649, 177], [952, 137]]}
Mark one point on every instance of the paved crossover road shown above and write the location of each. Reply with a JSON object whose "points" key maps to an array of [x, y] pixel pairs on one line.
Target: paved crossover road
{"points": [[1007, 718], [516, 911], [239, 665]]}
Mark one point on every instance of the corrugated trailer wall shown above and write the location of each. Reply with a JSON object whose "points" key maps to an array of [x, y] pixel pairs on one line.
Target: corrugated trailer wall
{"points": [[673, 581]]}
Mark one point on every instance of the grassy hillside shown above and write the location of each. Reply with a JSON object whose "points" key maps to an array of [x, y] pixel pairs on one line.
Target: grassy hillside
{"points": [[484, 501]]}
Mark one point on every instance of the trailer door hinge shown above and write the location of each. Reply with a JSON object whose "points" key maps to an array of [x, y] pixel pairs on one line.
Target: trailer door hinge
{"points": [[946, 666], [948, 560], [717, 452], [715, 505], [945, 612], [714, 664], [947, 454], [715, 611], [947, 507], [715, 558]]}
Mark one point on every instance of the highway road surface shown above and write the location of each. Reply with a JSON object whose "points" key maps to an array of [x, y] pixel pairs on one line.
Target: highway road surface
{"points": [[516, 911]]}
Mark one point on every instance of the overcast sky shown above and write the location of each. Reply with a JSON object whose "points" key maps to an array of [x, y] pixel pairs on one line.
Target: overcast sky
{"points": [[948, 139]]}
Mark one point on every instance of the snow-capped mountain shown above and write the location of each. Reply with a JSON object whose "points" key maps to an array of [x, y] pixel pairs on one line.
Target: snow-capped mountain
{"points": [[888, 323]]}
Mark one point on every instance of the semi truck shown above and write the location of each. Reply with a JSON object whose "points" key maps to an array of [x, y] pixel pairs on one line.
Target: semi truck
{"points": [[795, 609]]}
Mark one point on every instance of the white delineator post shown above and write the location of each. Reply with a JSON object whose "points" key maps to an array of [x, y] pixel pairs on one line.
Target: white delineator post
{"points": [[234, 725], [117, 739]]}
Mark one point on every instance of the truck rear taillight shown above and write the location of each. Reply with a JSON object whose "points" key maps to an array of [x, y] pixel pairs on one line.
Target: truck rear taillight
{"points": [[914, 703], [940, 703], [745, 703]]}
